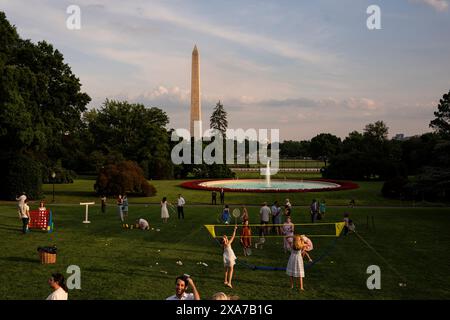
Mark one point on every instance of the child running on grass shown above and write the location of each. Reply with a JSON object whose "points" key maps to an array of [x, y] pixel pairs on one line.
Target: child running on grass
{"points": [[229, 258], [295, 267]]}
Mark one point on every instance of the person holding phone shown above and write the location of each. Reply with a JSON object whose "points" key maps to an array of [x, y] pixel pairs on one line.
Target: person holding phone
{"points": [[181, 284]]}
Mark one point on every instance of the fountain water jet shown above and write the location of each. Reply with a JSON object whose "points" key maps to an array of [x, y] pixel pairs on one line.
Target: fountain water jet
{"points": [[268, 174]]}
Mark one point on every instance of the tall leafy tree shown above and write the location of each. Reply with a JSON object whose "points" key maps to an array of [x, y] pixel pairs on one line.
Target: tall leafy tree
{"points": [[442, 122], [324, 146], [40, 98], [218, 119], [133, 130]]}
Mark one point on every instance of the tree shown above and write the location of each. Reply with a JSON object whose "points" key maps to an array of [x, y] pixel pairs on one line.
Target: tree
{"points": [[442, 122], [377, 131], [136, 132], [324, 146], [218, 119], [41, 102]]}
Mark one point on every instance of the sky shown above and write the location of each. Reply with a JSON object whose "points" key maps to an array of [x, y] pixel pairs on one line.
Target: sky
{"points": [[303, 67]]}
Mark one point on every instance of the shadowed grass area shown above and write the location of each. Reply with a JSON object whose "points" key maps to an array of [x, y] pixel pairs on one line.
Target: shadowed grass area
{"points": [[117, 263]]}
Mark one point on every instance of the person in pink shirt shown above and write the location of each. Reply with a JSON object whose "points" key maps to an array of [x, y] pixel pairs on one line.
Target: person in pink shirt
{"points": [[308, 246]]}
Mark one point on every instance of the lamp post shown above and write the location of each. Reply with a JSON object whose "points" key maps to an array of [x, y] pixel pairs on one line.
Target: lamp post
{"points": [[53, 177]]}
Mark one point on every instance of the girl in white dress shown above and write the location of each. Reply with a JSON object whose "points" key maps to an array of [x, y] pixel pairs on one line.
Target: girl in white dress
{"points": [[164, 211], [295, 264], [229, 258]]}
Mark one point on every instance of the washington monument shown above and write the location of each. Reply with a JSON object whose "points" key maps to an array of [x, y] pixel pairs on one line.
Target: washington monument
{"points": [[196, 108]]}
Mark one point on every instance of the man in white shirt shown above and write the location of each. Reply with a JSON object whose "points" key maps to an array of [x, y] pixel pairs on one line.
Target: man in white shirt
{"points": [[58, 285], [24, 214], [264, 213], [182, 283], [20, 202], [180, 205]]}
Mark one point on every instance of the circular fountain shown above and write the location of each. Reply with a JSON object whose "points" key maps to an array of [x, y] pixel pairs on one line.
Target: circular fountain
{"points": [[270, 185]]}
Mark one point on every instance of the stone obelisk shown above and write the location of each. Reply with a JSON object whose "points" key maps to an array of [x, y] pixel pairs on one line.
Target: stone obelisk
{"points": [[196, 108]]}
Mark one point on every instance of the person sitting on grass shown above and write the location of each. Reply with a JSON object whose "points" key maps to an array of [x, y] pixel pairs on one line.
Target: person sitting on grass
{"points": [[349, 225], [142, 224], [57, 283]]}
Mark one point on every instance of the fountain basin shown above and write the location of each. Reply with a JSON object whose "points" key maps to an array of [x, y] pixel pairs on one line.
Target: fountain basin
{"points": [[278, 185]]}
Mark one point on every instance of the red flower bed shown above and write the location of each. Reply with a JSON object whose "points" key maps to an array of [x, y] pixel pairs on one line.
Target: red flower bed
{"points": [[343, 185]]}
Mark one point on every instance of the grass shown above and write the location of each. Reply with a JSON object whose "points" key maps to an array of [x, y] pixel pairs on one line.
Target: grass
{"points": [[368, 194], [121, 264]]}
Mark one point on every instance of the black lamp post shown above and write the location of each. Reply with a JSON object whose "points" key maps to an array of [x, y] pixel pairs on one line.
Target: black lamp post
{"points": [[53, 177]]}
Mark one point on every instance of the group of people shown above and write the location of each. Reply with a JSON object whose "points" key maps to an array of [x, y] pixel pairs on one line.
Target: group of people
{"points": [[180, 208], [214, 196], [23, 210]]}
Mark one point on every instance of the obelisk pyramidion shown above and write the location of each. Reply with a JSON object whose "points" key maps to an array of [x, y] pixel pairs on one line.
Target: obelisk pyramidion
{"points": [[196, 109]]}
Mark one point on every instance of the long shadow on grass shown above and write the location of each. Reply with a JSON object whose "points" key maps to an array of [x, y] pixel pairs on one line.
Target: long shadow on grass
{"points": [[20, 259], [16, 230]]}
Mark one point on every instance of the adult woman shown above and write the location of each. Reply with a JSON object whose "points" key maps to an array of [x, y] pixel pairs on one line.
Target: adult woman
{"points": [[58, 285], [288, 232], [164, 211], [229, 258]]}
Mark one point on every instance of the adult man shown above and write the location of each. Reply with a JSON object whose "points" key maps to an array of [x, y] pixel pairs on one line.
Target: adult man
{"points": [[214, 197], [314, 210], [276, 217], [181, 284], [222, 196], [264, 214], [180, 205]]}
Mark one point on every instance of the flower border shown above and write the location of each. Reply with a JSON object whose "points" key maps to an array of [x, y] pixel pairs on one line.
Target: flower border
{"points": [[344, 185]]}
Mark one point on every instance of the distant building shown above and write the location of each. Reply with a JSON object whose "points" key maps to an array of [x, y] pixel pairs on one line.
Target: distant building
{"points": [[400, 137]]}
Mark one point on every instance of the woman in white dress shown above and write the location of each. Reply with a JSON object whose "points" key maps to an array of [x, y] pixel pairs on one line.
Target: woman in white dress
{"points": [[229, 258], [295, 267], [164, 211]]}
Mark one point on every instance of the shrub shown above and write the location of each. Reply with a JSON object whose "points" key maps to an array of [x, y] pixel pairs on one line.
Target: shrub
{"points": [[126, 176]]}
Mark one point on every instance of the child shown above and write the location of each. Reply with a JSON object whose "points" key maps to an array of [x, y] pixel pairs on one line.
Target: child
{"points": [[349, 226], [295, 264], [308, 246], [261, 242], [229, 258], [226, 215], [288, 232], [246, 239]]}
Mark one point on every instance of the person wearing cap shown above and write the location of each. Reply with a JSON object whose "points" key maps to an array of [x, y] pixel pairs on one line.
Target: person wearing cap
{"points": [[181, 284]]}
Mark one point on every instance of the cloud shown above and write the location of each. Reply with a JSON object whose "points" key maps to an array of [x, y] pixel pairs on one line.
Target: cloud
{"points": [[438, 5]]}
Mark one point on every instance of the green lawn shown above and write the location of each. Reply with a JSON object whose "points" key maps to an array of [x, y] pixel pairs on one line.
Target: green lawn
{"points": [[122, 264], [368, 194]]}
